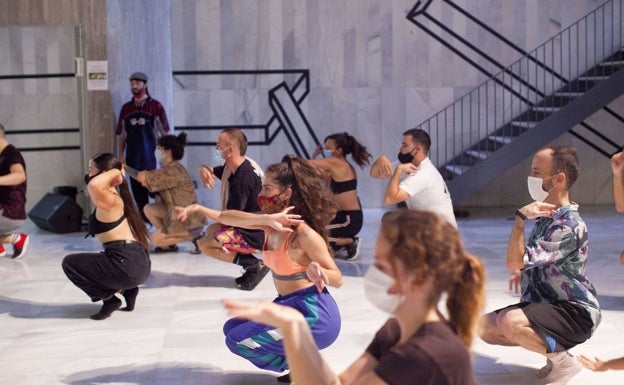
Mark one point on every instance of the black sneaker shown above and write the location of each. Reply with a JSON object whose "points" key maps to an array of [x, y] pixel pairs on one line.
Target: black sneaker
{"points": [[341, 253], [168, 249], [252, 276], [353, 249]]}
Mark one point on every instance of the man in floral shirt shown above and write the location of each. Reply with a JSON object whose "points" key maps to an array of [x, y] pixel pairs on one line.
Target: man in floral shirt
{"points": [[558, 308]]}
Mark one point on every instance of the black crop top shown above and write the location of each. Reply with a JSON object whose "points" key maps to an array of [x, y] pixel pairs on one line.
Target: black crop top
{"points": [[344, 186], [96, 227]]}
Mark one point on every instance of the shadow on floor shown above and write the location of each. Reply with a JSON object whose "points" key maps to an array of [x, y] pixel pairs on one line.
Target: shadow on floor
{"points": [[168, 373]]}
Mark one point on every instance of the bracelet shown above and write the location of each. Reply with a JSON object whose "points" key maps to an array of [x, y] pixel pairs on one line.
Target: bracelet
{"points": [[520, 215]]}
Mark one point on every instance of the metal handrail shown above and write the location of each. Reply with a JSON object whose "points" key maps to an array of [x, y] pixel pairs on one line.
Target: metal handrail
{"points": [[507, 103]]}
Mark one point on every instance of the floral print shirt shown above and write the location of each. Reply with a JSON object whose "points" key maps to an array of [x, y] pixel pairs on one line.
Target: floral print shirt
{"points": [[555, 262]]}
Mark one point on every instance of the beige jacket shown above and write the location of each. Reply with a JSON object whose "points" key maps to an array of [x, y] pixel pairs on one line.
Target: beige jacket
{"points": [[175, 187]]}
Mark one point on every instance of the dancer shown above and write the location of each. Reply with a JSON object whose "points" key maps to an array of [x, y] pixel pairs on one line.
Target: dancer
{"points": [[558, 309], [415, 180], [175, 188], [240, 184], [298, 257], [418, 258], [124, 264], [12, 198], [344, 228]]}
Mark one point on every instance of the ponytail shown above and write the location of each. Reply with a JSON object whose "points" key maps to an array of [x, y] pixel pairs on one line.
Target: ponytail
{"points": [[466, 298]]}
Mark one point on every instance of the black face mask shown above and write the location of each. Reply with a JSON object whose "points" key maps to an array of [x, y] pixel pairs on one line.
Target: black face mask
{"points": [[88, 178], [405, 158]]}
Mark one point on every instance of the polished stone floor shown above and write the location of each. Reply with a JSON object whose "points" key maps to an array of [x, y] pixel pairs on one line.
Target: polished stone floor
{"points": [[174, 335]]}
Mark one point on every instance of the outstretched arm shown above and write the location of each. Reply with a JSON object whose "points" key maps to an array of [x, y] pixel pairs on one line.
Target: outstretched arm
{"points": [[279, 221], [598, 365], [307, 366]]}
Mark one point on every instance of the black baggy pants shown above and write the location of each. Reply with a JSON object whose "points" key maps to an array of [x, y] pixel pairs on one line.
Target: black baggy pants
{"points": [[122, 265]]}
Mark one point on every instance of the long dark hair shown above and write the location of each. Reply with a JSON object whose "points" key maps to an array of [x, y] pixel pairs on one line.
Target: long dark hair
{"points": [[311, 196], [350, 145], [107, 161]]}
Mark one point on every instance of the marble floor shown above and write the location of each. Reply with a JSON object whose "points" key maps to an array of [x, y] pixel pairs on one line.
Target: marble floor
{"points": [[174, 335]]}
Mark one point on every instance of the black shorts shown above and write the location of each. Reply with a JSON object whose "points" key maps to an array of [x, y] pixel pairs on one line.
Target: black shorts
{"points": [[561, 325]]}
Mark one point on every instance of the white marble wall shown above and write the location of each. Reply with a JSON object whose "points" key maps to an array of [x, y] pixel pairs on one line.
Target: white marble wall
{"points": [[373, 73], [37, 104]]}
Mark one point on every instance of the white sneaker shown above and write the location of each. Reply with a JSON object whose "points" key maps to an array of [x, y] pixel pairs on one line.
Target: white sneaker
{"points": [[565, 366], [545, 370]]}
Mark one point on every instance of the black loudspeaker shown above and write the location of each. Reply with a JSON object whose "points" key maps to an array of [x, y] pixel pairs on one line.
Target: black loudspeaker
{"points": [[57, 213]]}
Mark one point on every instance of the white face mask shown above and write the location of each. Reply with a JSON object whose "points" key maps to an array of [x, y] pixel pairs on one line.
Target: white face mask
{"points": [[159, 155], [376, 285], [218, 158], [535, 188]]}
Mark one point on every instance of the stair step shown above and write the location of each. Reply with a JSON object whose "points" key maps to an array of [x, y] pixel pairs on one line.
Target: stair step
{"points": [[545, 109], [569, 94], [613, 63], [479, 154], [457, 170], [524, 124], [592, 78], [500, 139]]}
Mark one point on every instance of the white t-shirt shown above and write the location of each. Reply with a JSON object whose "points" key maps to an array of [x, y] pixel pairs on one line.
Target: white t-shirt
{"points": [[428, 191]]}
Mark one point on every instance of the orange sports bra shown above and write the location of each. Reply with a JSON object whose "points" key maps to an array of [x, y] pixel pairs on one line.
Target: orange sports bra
{"points": [[282, 266]]}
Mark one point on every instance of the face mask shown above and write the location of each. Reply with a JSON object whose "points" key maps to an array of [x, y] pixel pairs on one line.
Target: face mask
{"points": [[535, 188], [376, 285], [271, 205], [88, 178], [327, 153], [159, 156], [218, 158], [405, 158]]}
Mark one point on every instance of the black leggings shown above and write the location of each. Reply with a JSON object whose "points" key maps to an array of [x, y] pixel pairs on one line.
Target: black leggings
{"points": [[122, 265]]}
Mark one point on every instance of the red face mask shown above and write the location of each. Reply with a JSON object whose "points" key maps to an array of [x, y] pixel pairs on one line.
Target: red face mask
{"points": [[271, 205]]}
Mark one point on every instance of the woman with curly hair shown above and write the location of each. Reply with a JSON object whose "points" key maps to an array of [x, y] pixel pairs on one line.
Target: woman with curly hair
{"points": [[124, 264], [297, 207], [344, 228], [419, 260]]}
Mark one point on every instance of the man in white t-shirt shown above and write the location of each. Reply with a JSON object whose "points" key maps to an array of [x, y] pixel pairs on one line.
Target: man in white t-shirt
{"points": [[415, 180]]}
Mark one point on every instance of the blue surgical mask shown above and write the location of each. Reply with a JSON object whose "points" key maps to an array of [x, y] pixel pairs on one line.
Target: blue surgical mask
{"points": [[327, 153], [217, 156]]}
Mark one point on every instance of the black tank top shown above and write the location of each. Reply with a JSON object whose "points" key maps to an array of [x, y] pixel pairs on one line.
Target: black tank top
{"points": [[96, 227]]}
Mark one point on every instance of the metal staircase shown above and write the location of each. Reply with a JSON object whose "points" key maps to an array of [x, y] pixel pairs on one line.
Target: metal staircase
{"points": [[546, 93]]}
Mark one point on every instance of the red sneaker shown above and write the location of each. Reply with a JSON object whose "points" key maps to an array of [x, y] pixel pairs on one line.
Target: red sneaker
{"points": [[2, 251], [19, 247]]}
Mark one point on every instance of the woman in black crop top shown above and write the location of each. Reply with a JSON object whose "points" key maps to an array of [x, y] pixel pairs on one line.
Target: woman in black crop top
{"points": [[347, 224], [124, 264]]}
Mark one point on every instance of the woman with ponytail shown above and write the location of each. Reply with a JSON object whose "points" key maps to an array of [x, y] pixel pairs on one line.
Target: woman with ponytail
{"points": [[297, 206], [124, 264], [347, 224], [418, 259]]}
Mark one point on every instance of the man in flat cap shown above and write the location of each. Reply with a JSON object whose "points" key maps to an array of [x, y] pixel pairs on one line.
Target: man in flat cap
{"points": [[142, 121]]}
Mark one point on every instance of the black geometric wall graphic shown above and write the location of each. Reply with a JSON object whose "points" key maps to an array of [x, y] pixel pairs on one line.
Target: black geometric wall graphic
{"points": [[285, 103]]}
